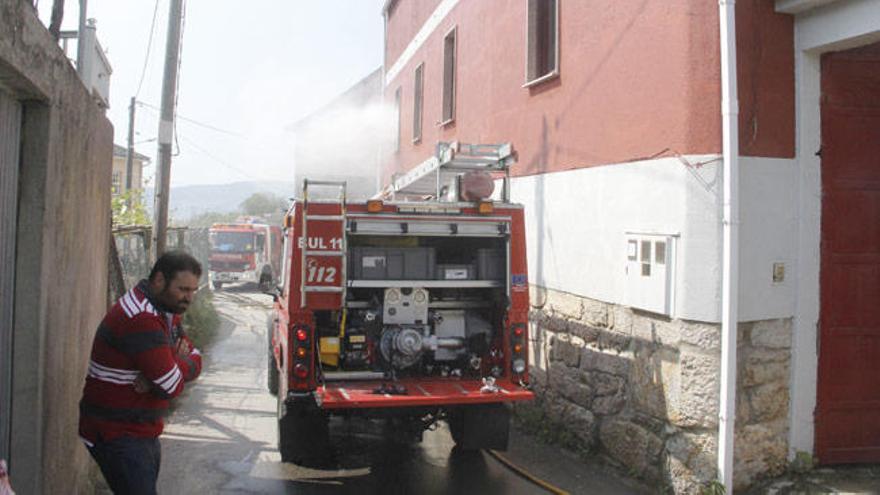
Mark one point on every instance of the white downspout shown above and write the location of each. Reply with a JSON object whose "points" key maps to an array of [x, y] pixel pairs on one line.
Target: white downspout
{"points": [[730, 255]]}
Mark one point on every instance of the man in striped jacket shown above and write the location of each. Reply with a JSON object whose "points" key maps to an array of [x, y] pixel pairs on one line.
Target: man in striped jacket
{"points": [[140, 359]]}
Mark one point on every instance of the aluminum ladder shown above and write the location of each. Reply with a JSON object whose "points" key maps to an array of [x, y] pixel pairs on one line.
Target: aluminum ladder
{"points": [[450, 160]]}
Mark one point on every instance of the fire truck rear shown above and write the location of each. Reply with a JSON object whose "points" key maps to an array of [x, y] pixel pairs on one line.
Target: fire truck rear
{"points": [[409, 309]]}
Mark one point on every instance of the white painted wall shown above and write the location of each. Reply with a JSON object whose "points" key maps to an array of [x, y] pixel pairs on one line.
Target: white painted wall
{"points": [[832, 26], [576, 223], [768, 235]]}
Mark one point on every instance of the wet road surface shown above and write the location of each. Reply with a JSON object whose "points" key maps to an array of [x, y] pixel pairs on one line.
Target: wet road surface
{"points": [[222, 438]]}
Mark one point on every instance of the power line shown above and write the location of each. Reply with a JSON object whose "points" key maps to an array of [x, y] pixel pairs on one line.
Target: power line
{"points": [[218, 159], [149, 47], [194, 122]]}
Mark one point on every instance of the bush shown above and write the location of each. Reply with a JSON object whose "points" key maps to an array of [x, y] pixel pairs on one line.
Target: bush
{"points": [[201, 319]]}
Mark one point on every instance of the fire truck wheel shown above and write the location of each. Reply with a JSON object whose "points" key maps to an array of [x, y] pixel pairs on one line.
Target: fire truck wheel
{"points": [[303, 434], [456, 428], [266, 281], [218, 285], [484, 426], [272, 371]]}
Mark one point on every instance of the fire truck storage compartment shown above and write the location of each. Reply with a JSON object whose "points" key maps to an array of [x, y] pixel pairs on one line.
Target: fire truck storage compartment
{"points": [[419, 306], [392, 263], [490, 264], [434, 258]]}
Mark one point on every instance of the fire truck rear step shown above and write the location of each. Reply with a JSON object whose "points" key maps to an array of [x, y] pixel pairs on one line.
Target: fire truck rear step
{"points": [[361, 394]]}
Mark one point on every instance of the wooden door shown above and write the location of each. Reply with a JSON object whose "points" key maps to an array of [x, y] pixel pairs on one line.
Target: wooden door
{"points": [[848, 408]]}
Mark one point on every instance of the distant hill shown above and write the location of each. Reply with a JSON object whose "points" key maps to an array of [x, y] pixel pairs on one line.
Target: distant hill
{"points": [[188, 201]]}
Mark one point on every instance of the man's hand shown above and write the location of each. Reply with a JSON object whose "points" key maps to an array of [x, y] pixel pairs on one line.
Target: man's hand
{"points": [[141, 384], [184, 348]]}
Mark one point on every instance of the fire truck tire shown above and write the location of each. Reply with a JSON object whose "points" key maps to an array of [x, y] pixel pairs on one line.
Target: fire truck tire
{"points": [[456, 429], [303, 434], [218, 285], [266, 279], [272, 371], [484, 426]]}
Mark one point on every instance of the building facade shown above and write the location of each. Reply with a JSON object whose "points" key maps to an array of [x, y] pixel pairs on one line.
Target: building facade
{"points": [[615, 110], [119, 179]]}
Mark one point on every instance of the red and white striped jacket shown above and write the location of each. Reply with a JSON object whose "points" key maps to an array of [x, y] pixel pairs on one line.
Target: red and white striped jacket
{"points": [[135, 338]]}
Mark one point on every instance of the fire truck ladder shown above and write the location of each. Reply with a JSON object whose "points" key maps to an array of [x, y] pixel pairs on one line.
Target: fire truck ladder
{"points": [[451, 160], [340, 200]]}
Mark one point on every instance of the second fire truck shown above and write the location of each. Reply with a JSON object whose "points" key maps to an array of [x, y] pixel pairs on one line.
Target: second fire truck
{"points": [[244, 252]]}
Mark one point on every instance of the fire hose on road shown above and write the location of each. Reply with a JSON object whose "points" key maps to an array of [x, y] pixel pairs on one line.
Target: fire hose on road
{"points": [[525, 474]]}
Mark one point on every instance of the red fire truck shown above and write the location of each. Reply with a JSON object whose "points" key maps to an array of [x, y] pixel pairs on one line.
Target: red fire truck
{"points": [[412, 308], [244, 252]]}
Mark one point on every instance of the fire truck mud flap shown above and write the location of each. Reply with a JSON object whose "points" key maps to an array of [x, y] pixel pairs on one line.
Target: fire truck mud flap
{"points": [[303, 433], [481, 426]]}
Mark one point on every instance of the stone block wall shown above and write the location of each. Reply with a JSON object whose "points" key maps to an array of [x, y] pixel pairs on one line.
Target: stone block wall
{"points": [[764, 366], [642, 389]]}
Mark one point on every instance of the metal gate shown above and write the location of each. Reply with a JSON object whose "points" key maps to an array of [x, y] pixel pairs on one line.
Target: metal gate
{"points": [[10, 139], [848, 405]]}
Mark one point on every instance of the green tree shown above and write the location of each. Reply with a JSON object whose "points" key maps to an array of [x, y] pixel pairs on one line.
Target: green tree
{"points": [[209, 218], [128, 208], [262, 204]]}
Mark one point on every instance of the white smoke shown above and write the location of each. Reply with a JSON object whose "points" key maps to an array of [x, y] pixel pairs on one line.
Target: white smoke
{"points": [[346, 141]]}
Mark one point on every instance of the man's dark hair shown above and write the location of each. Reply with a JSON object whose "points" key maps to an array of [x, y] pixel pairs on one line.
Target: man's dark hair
{"points": [[172, 262]]}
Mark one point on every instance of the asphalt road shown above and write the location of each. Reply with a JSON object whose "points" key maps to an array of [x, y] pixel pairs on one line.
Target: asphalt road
{"points": [[222, 438]]}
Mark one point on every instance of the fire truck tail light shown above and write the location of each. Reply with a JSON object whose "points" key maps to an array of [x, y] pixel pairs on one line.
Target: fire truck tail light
{"points": [[519, 331], [374, 205], [517, 348], [301, 335], [301, 352], [519, 366], [300, 371]]}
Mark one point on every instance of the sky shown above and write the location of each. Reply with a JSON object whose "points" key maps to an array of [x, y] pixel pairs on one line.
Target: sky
{"points": [[250, 69]]}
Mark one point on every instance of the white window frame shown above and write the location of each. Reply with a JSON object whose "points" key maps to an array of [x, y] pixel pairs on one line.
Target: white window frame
{"points": [[536, 80], [453, 89], [418, 103], [397, 109]]}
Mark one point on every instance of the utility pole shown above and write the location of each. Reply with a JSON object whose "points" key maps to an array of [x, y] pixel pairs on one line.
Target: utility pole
{"points": [[166, 129], [129, 157], [83, 22]]}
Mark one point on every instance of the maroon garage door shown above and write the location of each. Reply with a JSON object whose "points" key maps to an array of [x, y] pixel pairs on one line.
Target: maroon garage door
{"points": [[848, 412]]}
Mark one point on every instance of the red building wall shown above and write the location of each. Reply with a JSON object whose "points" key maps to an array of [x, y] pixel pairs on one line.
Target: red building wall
{"points": [[408, 17], [637, 78], [765, 68]]}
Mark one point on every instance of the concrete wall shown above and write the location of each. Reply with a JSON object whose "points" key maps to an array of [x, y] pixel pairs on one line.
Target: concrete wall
{"points": [[671, 196], [62, 245]]}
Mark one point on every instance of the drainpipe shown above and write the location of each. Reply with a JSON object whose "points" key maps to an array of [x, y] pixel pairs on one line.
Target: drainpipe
{"points": [[730, 255]]}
